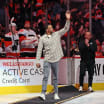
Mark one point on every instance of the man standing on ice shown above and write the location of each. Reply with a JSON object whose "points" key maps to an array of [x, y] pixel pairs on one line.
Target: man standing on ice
{"points": [[52, 50]]}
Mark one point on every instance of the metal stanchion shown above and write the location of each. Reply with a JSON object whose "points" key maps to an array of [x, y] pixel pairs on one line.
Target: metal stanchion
{"points": [[68, 36], [90, 16]]}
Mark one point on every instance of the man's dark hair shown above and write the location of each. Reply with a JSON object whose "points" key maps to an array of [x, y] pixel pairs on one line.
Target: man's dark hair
{"points": [[48, 25]]}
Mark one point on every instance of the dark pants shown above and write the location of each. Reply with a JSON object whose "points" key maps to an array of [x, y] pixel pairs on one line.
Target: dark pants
{"points": [[86, 67]]}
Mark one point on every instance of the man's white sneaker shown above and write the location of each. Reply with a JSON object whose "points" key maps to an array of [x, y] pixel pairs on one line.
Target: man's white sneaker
{"points": [[56, 97], [80, 88], [90, 89], [42, 96]]}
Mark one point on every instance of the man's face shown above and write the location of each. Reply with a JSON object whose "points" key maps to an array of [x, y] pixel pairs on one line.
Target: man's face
{"points": [[88, 35], [13, 29], [50, 28], [27, 25]]}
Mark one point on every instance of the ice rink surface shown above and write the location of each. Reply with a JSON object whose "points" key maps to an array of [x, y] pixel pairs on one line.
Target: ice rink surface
{"points": [[92, 98], [96, 97]]}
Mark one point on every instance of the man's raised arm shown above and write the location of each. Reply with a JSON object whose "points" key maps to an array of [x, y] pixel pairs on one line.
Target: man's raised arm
{"points": [[67, 25]]}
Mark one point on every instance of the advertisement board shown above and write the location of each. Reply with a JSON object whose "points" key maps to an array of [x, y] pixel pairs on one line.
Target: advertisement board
{"points": [[9, 72]]}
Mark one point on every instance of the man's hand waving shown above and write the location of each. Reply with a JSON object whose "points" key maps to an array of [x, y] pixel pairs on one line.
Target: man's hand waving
{"points": [[68, 15]]}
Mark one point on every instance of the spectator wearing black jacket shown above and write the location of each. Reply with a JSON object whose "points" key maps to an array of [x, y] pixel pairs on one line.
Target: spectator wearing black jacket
{"points": [[87, 48]]}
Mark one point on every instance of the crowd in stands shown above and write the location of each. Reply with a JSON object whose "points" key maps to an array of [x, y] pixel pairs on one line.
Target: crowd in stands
{"points": [[32, 17]]}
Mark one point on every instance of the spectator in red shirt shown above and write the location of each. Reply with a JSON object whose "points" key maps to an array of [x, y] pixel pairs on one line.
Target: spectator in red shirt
{"points": [[99, 53]]}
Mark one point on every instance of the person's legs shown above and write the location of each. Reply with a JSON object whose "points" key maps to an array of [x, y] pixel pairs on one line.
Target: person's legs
{"points": [[90, 74], [82, 73], [46, 71], [55, 78], [54, 67]]}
